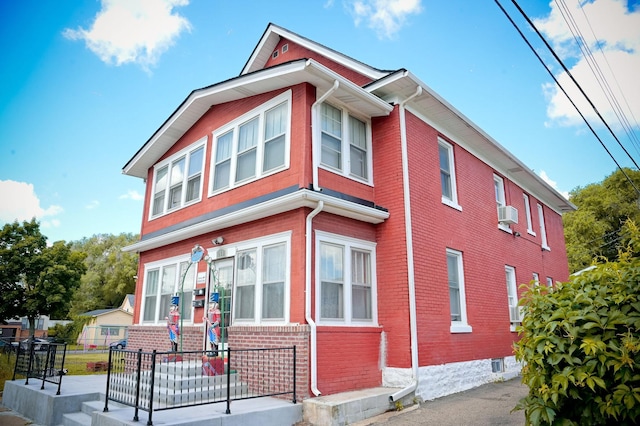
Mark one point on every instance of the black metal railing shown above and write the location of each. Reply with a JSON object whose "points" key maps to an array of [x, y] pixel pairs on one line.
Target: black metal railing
{"points": [[40, 360], [155, 381]]}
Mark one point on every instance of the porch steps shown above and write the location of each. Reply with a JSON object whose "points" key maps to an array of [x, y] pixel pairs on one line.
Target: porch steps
{"points": [[88, 408]]}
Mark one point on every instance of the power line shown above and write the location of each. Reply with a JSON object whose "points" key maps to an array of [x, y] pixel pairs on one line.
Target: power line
{"points": [[564, 91]]}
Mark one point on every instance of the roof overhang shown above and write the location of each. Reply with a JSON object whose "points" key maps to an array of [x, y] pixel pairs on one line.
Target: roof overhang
{"points": [[288, 202], [271, 37], [266, 80], [451, 123]]}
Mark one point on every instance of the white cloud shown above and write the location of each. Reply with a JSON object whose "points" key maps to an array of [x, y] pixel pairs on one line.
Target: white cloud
{"points": [[132, 195], [616, 50], [23, 204], [553, 183], [385, 17], [133, 31], [92, 205]]}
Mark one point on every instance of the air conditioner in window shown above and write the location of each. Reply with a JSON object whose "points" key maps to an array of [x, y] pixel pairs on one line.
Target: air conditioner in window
{"points": [[197, 303], [507, 215]]}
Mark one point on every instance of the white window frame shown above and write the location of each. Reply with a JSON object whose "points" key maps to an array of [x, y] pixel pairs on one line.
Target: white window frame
{"points": [[543, 229], [344, 168], [536, 278], [233, 127], [453, 200], [501, 200], [185, 153], [527, 210], [462, 325], [515, 311], [189, 286], [348, 244], [549, 282], [259, 244]]}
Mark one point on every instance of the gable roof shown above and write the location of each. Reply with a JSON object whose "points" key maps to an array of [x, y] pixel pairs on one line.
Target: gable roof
{"points": [[98, 312]]}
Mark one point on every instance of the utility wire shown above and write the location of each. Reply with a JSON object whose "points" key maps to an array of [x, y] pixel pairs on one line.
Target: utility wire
{"points": [[566, 94], [524, 15], [580, 40]]}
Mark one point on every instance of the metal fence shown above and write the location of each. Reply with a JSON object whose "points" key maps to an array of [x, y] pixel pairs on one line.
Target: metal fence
{"points": [[154, 381], [40, 360]]}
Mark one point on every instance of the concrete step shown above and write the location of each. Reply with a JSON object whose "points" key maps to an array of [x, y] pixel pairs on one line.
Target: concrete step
{"points": [[76, 419], [347, 407]]}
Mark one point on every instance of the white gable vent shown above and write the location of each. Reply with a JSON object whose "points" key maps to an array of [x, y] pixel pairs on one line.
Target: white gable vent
{"points": [[507, 215]]}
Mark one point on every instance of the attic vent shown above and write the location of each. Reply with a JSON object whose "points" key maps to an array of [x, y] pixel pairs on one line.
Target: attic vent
{"points": [[285, 48], [274, 54]]}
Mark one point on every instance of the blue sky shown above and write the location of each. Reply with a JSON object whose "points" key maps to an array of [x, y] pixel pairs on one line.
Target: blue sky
{"points": [[86, 83]]}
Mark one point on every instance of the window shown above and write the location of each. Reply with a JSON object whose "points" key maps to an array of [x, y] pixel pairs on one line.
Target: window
{"points": [[457, 300], [527, 210], [109, 331], [262, 281], [177, 181], [447, 174], [549, 282], [345, 269], [163, 280], [253, 146], [515, 316], [536, 278], [498, 184], [345, 142], [543, 229]]}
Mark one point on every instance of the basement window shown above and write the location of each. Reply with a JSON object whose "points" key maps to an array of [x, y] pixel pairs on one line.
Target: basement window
{"points": [[497, 365]]}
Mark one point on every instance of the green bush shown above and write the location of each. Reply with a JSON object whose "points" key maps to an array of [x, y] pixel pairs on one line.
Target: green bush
{"points": [[580, 345]]}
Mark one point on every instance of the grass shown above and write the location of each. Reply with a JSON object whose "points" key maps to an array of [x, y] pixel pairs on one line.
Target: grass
{"points": [[75, 363]]}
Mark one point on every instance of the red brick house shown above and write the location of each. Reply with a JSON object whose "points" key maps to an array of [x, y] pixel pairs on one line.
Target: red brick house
{"points": [[350, 211]]}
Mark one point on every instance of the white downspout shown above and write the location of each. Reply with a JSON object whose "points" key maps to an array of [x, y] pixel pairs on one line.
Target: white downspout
{"points": [[307, 300], [410, 271], [315, 142]]}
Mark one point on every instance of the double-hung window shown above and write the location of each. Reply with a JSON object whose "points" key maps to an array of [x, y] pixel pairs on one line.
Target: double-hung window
{"points": [[252, 146], [345, 143], [262, 281], [515, 314], [527, 210], [498, 184], [177, 181], [163, 280], [447, 174], [543, 229], [345, 277], [457, 299]]}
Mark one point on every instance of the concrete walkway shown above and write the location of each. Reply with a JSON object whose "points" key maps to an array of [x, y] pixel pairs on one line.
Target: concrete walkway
{"points": [[486, 405]]}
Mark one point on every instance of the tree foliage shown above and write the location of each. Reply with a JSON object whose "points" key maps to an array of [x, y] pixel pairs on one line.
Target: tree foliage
{"points": [[580, 344], [36, 279], [110, 272], [595, 228]]}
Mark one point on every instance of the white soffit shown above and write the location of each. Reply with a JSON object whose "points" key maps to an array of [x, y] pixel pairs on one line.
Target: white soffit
{"points": [[266, 80]]}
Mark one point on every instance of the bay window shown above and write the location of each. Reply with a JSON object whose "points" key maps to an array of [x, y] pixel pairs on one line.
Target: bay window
{"points": [[252, 146], [177, 180]]}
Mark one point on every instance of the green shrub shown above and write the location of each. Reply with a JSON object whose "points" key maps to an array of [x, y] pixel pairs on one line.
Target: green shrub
{"points": [[580, 345]]}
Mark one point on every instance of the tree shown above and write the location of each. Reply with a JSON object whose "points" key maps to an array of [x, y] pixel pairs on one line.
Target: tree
{"points": [[595, 228], [36, 279], [110, 272], [580, 344]]}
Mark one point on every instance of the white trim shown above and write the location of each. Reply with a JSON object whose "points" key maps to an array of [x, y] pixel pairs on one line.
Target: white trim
{"points": [[292, 201], [461, 326], [527, 210], [512, 293], [544, 243], [453, 201]]}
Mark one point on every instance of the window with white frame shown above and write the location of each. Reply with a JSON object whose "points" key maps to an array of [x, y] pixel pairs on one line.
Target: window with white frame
{"points": [[515, 315], [262, 280], [346, 280], [162, 281], [177, 181], [543, 229], [549, 282], [345, 142], [457, 299], [536, 278], [498, 184], [527, 210], [252, 146], [447, 174]]}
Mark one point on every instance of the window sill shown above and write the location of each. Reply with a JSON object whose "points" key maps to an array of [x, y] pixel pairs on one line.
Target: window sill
{"points": [[513, 327], [546, 248], [460, 328], [533, 234], [505, 228], [451, 203]]}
